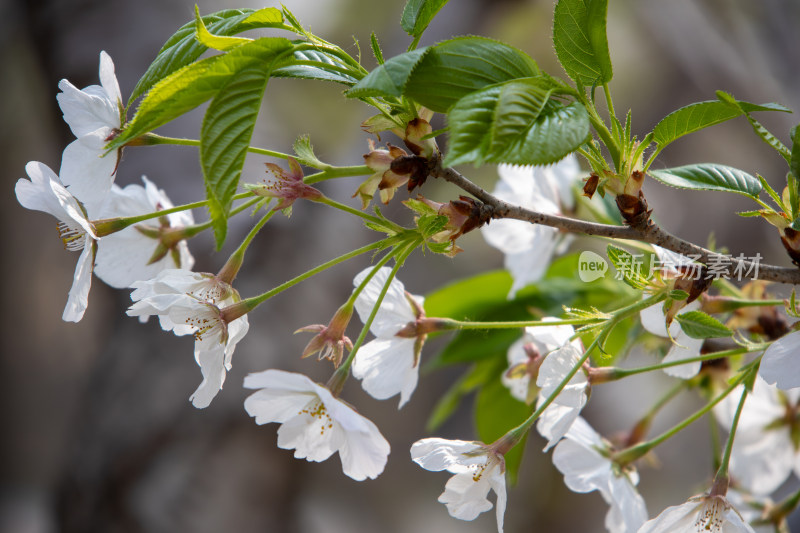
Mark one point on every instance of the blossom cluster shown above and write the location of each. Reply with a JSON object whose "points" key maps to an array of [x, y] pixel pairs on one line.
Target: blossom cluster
{"points": [[127, 242]]}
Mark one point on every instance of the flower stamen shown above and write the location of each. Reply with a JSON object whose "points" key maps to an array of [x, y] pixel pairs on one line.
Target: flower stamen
{"points": [[71, 236]]}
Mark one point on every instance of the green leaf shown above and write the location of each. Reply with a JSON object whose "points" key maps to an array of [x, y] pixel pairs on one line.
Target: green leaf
{"points": [[760, 130], [695, 117], [579, 36], [376, 48], [326, 67], [628, 265], [467, 297], [183, 48], [455, 68], [217, 42], [479, 374], [677, 294], [513, 123], [496, 412], [699, 325], [709, 177], [305, 152], [418, 14], [388, 79], [224, 138], [794, 162], [192, 85]]}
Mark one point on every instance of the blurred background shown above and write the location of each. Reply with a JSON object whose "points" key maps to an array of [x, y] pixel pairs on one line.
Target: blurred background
{"points": [[97, 433]]}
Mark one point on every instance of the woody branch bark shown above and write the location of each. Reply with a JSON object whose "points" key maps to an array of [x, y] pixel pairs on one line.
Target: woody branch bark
{"points": [[651, 233]]}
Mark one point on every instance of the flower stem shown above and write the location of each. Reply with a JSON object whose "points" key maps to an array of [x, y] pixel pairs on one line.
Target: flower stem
{"points": [[340, 375], [347, 209], [629, 455], [619, 373], [111, 225], [451, 324], [337, 172], [234, 262], [720, 485], [515, 435], [152, 139], [255, 301]]}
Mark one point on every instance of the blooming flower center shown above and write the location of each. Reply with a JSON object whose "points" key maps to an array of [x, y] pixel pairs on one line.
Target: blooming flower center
{"points": [[710, 517], [72, 236], [317, 410], [211, 292]]}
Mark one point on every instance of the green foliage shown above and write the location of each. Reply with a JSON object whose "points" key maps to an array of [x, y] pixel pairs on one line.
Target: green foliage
{"points": [[794, 160], [512, 123], [496, 411], [579, 36], [455, 68], [192, 85], [183, 48], [317, 65], [388, 79], [709, 177], [224, 138], [699, 325], [305, 152], [695, 117], [628, 266], [418, 14], [760, 130], [438, 76]]}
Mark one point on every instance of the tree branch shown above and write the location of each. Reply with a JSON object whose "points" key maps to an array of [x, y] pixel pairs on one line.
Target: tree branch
{"points": [[724, 266]]}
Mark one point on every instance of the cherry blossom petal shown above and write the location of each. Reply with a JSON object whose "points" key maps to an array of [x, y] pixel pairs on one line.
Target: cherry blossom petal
{"points": [[395, 310], [78, 299], [387, 367], [779, 364]]}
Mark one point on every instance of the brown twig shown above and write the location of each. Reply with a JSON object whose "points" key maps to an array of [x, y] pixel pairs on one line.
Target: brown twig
{"points": [[725, 266]]}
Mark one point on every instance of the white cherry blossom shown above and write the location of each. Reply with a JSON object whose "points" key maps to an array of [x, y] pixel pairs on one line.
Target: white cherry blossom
{"points": [[389, 364], [528, 248], [316, 424], [190, 302], [712, 514], [477, 469], [44, 192], [94, 114], [526, 354], [132, 254], [763, 454], [584, 459], [559, 416], [780, 362]]}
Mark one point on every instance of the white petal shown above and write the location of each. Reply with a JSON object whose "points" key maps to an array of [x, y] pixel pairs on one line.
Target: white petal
{"points": [[78, 298], [364, 454], [584, 469], [685, 347], [86, 172], [387, 367], [498, 483], [455, 456], [314, 437], [676, 519], [464, 497], [528, 266], [270, 405], [395, 311], [555, 422], [628, 511], [108, 79], [509, 236], [653, 320], [213, 369], [549, 338], [779, 364], [555, 368], [762, 460], [87, 110]]}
